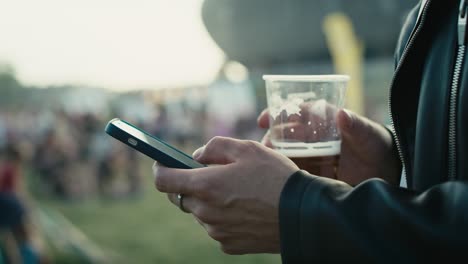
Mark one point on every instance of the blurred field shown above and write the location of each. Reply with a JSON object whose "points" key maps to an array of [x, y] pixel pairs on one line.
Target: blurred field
{"points": [[146, 229]]}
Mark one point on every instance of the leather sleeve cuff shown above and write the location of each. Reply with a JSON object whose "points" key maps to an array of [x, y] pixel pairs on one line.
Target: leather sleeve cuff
{"points": [[289, 215], [301, 215]]}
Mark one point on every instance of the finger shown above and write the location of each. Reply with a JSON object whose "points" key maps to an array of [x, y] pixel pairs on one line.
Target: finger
{"points": [[263, 119], [155, 168], [292, 131], [189, 202], [220, 150], [354, 128], [266, 140], [201, 211], [202, 183], [345, 121], [199, 221], [171, 180], [173, 198]]}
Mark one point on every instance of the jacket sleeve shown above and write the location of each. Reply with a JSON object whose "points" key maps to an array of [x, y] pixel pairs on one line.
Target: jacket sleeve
{"points": [[328, 221]]}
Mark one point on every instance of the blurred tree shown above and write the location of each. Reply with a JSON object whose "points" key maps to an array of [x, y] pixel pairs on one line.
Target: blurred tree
{"points": [[10, 88], [8, 80]]}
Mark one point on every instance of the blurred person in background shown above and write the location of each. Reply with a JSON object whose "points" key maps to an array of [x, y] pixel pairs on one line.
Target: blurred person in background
{"points": [[400, 198], [18, 237], [11, 170], [3, 132], [50, 161], [119, 175], [12, 215]]}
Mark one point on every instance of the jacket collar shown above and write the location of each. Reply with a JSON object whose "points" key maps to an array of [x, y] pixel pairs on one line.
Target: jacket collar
{"points": [[423, 4]]}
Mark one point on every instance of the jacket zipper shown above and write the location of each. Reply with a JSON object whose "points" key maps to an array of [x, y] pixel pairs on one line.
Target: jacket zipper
{"points": [[452, 133], [400, 63]]}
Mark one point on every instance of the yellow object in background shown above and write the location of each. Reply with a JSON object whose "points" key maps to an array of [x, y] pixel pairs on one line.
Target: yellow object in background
{"points": [[347, 54]]}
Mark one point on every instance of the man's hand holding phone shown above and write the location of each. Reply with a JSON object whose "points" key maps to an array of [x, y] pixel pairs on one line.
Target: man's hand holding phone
{"points": [[237, 201]]}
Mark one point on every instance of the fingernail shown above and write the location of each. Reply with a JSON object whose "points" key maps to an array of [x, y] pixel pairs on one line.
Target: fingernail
{"points": [[349, 119], [197, 153], [155, 170]]}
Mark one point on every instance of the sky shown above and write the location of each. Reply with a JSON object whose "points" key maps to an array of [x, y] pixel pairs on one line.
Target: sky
{"points": [[115, 44]]}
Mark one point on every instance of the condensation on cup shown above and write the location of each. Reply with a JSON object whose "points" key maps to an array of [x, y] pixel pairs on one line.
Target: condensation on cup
{"points": [[303, 124]]}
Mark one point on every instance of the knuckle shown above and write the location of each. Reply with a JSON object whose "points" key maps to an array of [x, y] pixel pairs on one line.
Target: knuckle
{"points": [[205, 215], [202, 188], [160, 186], [215, 234], [161, 182], [207, 195], [172, 198], [227, 249], [201, 213], [214, 143], [250, 146], [217, 139], [155, 167], [199, 186]]}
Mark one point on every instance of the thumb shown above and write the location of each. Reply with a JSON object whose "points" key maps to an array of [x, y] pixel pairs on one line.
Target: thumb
{"points": [[219, 150], [266, 140], [353, 127], [264, 119]]}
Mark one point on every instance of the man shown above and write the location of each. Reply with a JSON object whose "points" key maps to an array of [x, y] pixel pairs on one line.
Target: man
{"points": [[259, 201]]}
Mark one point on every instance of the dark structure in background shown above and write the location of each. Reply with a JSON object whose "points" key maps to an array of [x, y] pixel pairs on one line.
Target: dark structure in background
{"points": [[286, 37], [265, 32]]}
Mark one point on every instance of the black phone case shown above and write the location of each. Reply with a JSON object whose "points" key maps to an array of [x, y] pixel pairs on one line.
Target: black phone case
{"points": [[147, 149]]}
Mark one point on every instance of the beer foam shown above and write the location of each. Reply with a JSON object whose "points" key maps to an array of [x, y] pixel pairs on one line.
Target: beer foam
{"points": [[278, 105], [301, 149]]}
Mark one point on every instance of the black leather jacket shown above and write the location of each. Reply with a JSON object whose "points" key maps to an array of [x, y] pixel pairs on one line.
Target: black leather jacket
{"points": [[323, 221]]}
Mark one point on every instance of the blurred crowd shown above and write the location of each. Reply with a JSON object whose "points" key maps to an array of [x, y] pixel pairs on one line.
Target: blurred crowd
{"points": [[57, 154], [65, 154]]}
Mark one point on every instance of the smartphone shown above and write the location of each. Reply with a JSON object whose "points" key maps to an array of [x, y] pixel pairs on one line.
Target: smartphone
{"points": [[149, 145]]}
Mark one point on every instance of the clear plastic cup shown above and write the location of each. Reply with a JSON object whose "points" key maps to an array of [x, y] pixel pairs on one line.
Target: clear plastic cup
{"points": [[303, 125]]}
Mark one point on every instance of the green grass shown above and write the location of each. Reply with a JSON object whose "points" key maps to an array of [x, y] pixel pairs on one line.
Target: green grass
{"points": [[147, 229]]}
